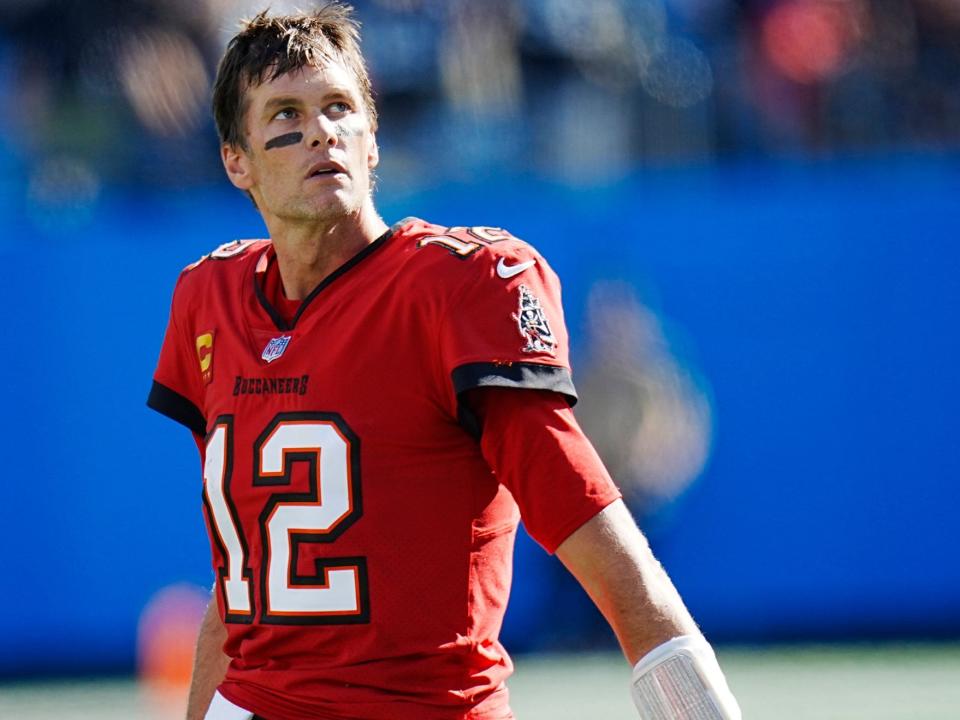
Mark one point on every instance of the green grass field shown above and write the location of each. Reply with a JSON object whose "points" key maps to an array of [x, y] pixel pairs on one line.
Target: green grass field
{"points": [[915, 682]]}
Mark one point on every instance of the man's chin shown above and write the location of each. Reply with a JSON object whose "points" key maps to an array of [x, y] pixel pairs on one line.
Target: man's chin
{"points": [[329, 211]]}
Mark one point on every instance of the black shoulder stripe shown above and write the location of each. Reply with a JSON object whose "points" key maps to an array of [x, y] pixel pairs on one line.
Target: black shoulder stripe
{"points": [[176, 407], [528, 376]]}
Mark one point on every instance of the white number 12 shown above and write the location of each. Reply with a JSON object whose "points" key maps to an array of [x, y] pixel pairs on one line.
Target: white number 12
{"points": [[338, 593]]}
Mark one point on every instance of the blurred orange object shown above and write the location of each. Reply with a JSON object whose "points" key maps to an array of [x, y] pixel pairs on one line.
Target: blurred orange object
{"points": [[166, 640], [810, 40]]}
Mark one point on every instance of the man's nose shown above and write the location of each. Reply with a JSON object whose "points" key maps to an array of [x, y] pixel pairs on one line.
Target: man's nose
{"points": [[323, 131]]}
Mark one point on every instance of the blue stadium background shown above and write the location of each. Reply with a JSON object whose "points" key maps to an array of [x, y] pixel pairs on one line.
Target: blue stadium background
{"points": [[822, 299], [814, 287]]}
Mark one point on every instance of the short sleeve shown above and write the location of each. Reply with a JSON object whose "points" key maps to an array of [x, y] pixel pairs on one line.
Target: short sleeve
{"points": [[178, 380], [504, 326]]}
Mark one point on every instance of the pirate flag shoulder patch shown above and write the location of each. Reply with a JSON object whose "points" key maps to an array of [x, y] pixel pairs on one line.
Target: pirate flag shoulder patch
{"points": [[533, 324]]}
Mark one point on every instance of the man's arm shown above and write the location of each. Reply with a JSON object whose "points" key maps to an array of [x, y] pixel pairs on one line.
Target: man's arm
{"points": [[569, 504], [675, 674], [612, 561], [210, 663]]}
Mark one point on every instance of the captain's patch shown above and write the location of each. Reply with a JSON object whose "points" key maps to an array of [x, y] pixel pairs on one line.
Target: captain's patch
{"points": [[205, 356], [533, 325]]}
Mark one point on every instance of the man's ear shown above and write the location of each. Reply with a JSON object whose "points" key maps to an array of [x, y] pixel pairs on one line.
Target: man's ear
{"points": [[237, 165], [373, 153]]}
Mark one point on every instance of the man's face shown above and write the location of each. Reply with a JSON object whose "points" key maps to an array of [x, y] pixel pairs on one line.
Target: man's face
{"points": [[310, 148]]}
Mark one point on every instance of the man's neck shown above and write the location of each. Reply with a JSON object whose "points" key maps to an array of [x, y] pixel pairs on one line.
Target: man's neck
{"points": [[307, 254]]}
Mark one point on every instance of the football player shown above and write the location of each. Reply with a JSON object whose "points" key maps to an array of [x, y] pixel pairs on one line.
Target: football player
{"points": [[376, 407]]}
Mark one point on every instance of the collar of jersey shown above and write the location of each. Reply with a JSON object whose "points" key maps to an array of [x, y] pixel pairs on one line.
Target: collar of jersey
{"points": [[275, 315]]}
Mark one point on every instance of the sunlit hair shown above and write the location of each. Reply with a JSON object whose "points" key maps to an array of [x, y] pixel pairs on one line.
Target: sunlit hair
{"points": [[270, 46]]}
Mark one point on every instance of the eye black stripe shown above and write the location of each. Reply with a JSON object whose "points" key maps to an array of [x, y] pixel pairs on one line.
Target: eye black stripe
{"points": [[283, 140]]}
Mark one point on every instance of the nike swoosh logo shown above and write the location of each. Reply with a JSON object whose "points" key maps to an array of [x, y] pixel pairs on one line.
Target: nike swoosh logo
{"points": [[508, 271]]}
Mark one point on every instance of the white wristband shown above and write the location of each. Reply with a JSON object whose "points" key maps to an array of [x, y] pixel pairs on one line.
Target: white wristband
{"points": [[681, 680]]}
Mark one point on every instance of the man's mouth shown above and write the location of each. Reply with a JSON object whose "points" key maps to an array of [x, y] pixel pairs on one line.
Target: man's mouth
{"points": [[322, 169]]}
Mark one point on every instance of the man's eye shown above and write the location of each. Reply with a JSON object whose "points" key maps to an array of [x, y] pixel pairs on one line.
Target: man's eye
{"points": [[285, 114], [340, 107]]}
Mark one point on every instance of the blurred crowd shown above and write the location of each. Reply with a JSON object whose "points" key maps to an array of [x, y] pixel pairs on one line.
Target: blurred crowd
{"points": [[577, 91]]}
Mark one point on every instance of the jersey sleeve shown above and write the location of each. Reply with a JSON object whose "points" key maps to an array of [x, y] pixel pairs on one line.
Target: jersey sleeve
{"points": [[177, 382], [504, 326], [535, 447]]}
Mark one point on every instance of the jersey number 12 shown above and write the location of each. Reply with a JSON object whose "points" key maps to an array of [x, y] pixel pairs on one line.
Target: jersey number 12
{"points": [[338, 592]]}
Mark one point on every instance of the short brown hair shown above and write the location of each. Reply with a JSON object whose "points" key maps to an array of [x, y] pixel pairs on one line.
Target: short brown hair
{"points": [[268, 47]]}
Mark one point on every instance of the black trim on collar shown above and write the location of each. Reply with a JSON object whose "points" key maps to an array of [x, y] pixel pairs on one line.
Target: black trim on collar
{"points": [[176, 407], [274, 314], [277, 318], [528, 376]]}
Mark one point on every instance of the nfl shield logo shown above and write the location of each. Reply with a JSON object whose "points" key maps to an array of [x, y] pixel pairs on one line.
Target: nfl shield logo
{"points": [[275, 348]]}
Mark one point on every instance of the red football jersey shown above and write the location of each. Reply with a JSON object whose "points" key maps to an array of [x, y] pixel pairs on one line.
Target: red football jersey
{"points": [[361, 544]]}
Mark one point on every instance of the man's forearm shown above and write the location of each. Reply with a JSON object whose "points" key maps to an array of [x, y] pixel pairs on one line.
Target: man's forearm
{"points": [[613, 562], [675, 672], [209, 665]]}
